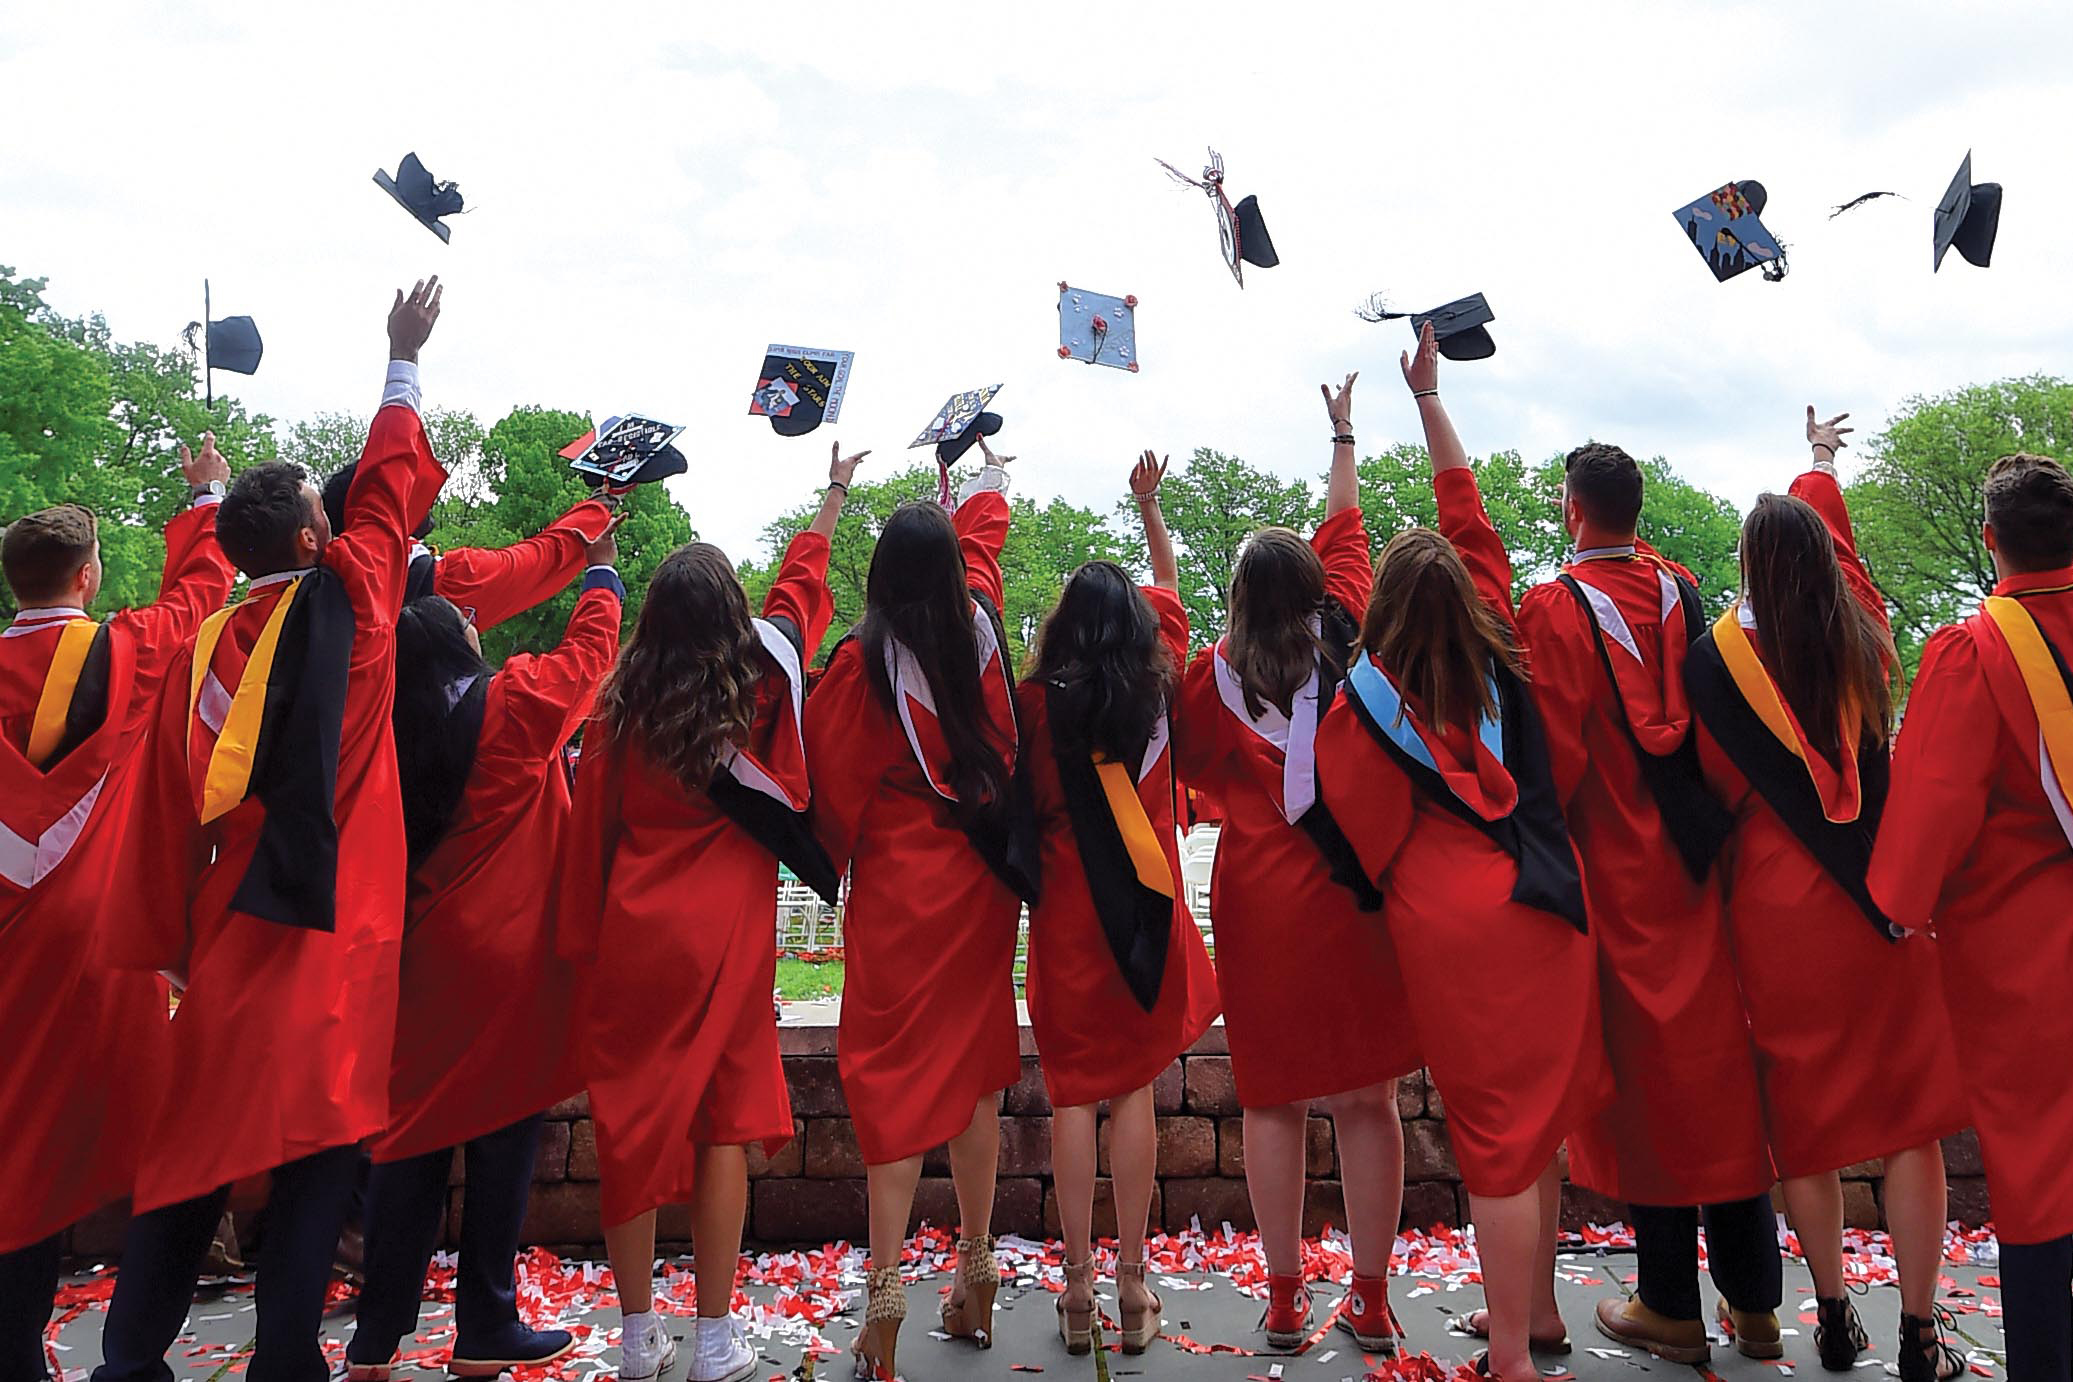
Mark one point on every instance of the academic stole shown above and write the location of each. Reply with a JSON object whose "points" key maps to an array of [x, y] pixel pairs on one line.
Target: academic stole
{"points": [[228, 779], [2044, 678], [54, 705]]}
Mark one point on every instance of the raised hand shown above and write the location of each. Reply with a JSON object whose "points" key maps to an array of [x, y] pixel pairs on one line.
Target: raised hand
{"points": [[842, 469], [411, 318], [210, 465], [1422, 371], [1340, 405], [987, 451], [1146, 475], [1828, 434], [605, 551]]}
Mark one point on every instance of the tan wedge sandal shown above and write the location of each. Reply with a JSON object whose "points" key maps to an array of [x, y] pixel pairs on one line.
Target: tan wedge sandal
{"points": [[980, 1275], [1076, 1322], [1137, 1327], [879, 1339]]}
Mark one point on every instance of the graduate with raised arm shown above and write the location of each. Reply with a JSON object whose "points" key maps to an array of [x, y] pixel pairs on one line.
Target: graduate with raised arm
{"points": [[481, 1046], [1119, 981], [84, 1043], [1606, 643], [1795, 711], [1313, 1009], [264, 870], [1978, 838], [1435, 764], [693, 788], [913, 741]]}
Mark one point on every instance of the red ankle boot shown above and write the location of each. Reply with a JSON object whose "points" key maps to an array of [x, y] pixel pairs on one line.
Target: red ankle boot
{"points": [[1287, 1320], [1365, 1315]]}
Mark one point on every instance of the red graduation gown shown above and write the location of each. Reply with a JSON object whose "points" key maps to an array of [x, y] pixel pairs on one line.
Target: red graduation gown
{"points": [[85, 1045], [1096, 1041], [1686, 1125], [1853, 1047], [1504, 996], [483, 1004], [672, 907], [280, 1047], [928, 1001], [1313, 1003], [1971, 840], [500, 582]]}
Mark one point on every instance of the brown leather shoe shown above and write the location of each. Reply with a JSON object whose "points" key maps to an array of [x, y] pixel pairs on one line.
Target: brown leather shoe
{"points": [[1628, 1321], [1755, 1336]]}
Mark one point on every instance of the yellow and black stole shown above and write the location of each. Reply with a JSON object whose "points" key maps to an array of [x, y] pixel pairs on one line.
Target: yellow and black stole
{"points": [[74, 700], [1732, 692], [279, 741], [2045, 682], [1128, 877]]}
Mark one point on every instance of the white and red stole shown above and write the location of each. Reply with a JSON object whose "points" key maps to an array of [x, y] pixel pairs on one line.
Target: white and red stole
{"points": [[50, 786], [1657, 709], [1293, 736], [915, 702]]}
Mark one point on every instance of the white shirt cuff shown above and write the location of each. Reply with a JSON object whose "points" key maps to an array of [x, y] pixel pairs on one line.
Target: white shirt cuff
{"points": [[401, 385], [990, 478], [1825, 467], [203, 501]]}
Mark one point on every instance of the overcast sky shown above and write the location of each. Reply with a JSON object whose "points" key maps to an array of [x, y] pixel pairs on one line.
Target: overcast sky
{"points": [[657, 192]]}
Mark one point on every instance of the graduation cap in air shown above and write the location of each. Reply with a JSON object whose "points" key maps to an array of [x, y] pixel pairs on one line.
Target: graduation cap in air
{"points": [[1457, 326], [414, 190], [799, 389], [230, 343], [1725, 230], [626, 451], [1967, 217], [959, 423], [1096, 328], [1241, 229]]}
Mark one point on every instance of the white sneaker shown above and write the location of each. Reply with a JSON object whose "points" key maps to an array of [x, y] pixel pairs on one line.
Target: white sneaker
{"points": [[720, 1354], [646, 1349]]}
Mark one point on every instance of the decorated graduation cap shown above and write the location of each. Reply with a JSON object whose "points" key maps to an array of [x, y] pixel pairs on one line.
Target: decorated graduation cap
{"points": [[1241, 229], [1967, 217], [959, 423], [1725, 230], [1457, 326], [625, 451], [416, 192], [230, 343], [798, 389], [1097, 328]]}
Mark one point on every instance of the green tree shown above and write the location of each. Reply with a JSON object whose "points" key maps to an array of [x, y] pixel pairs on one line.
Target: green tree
{"points": [[1691, 526], [1212, 504], [1918, 504]]}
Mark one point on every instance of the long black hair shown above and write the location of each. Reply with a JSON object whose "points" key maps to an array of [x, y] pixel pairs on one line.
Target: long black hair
{"points": [[917, 593], [1101, 650], [433, 661]]}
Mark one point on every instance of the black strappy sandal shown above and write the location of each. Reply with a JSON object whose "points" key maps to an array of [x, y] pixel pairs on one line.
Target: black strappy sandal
{"points": [[1925, 1355], [1838, 1333]]}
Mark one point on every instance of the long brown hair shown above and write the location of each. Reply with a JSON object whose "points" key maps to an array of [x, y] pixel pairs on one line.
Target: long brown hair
{"points": [[1428, 627], [1829, 655], [1277, 591], [684, 688]]}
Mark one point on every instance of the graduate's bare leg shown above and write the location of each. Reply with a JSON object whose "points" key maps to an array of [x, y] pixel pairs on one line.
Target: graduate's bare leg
{"points": [[1814, 1204], [1508, 1237], [1916, 1208], [1274, 1151], [1072, 1171], [1133, 1164], [1371, 1172], [630, 1247], [1547, 1314], [719, 1203], [975, 1156], [890, 1188]]}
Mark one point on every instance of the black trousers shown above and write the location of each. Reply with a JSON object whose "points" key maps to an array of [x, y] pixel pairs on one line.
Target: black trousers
{"points": [[162, 1259], [405, 1202], [1741, 1253], [28, 1290], [2037, 1309]]}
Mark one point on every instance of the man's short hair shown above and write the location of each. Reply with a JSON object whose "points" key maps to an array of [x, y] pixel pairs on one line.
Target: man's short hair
{"points": [[1606, 484], [44, 550], [257, 521], [2030, 509]]}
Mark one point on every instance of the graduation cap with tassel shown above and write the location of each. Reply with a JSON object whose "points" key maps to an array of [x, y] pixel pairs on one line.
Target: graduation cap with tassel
{"points": [[1967, 217], [1458, 326], [230, 343], [1241, 229]]}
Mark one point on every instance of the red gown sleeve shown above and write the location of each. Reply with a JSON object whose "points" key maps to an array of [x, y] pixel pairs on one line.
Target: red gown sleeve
{"points": [[1200, 750], [1173, 623], [845, 752], [1341, 543], [393, 489], [500, 583], [1943, 764], [1819, 488], [587, 849], [143, 920], [1561, 656], [194, 585], [1465, 524], [982, 530], [548, 695], [800, 593]]}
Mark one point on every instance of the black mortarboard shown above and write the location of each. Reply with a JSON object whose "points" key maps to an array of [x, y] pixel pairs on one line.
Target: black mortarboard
{"points": [[1241, 229], [1457, 327], [622, 451], [1967, 217], [960, 422], [798, 388], [414, 190], [1725, 229], [234, 345]]}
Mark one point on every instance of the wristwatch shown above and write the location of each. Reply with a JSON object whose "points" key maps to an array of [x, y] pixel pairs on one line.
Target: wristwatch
{"points": [[197, 493]]}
